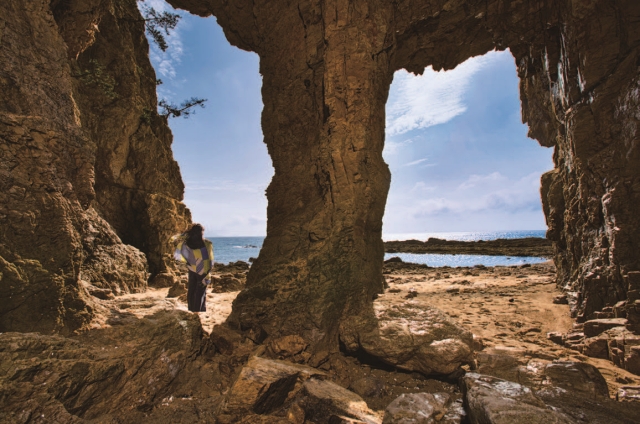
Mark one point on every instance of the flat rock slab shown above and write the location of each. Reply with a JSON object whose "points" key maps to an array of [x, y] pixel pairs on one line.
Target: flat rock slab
{"points": [[577, 377], [266, 386], [491, 400], [415, 336], [596, 326], [263, 385], [324, 401], [423, 408]]}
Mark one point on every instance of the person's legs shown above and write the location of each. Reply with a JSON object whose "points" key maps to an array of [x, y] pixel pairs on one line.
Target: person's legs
{"points": [[192, 292], [196, 293]]}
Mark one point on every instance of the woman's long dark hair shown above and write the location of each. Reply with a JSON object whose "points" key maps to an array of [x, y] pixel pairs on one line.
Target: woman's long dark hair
{"points": [[194, 237]]}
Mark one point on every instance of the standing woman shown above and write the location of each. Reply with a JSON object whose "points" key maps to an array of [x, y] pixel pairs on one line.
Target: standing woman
{"points": [[197, 252]]}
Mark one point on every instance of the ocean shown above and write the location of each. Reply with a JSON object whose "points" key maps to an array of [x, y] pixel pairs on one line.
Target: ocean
{"points": [[231, 249]]}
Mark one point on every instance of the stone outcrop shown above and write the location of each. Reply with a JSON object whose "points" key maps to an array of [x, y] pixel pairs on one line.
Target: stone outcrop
{"points": [[415, 336], [118, 374], [423, 408], [87, 166], [89, 190], [326, 68], [296, 393], [616, 344]]}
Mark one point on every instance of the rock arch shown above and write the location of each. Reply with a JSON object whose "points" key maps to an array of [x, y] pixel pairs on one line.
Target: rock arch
{"points": [[327, 66]]}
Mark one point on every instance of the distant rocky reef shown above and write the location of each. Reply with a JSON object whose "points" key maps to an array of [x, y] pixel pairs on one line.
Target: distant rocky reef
{"points": [[529, 246]]}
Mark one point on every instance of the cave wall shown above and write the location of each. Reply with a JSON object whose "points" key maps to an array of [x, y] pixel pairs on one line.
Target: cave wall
{"points": [[578, 64], [327, 66], [62, 130], [138, 185]]}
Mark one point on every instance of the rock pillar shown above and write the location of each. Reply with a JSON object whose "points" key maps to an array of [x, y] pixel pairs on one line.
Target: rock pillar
{"points": [[326, 80]]}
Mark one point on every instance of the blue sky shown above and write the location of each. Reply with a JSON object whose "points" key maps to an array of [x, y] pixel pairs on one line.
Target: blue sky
{"points": [[459, 155]]}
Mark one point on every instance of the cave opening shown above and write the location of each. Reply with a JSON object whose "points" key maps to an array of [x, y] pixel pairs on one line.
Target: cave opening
{"points": [[462, 165], [223, 161]]}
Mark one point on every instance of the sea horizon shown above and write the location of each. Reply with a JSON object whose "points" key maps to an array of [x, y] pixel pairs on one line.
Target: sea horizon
{"points": [[245, 248]]}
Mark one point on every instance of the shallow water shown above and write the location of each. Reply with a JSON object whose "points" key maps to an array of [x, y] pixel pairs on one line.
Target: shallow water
{"points": [[231, 249], [438, 259]]}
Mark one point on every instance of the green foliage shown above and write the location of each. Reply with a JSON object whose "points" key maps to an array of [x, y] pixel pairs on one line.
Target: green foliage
{"points": [[146, 116], [96, 74], [186, 108], [156, 23], [159, 81]]}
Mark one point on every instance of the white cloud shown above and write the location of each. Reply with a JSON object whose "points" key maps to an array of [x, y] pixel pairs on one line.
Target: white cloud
{"points": [[511, 196], [392, 147], [475, 180], [421, 187], [227, 208], [432, 98], [165, 62]]}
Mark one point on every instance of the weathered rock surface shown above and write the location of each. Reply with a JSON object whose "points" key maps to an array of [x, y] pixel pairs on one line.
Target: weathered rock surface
{"points": [[415, 336], [423, 408], [577, 62], [74, 80], [576, 390], [281, 389], [609, 341], [594, 327], [117, 374], [496, 401]]}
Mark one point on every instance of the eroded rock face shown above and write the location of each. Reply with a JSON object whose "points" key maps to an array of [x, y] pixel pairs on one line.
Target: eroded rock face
{"points": [[116, 374], [78, 101], [89, 190], [272, 389], [415, 336], [327, 66]]}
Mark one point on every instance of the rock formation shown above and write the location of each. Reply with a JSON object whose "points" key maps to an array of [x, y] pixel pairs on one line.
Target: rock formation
{"points": [[326, 68], [90, 191]]}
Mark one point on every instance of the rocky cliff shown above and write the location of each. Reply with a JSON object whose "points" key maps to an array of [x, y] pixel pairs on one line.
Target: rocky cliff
{"points": [[90, 191], [327, 66]]}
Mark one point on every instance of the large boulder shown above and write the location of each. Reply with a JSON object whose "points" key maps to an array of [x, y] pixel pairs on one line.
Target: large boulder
{"points": [[491, 400], [263, 386], [118, 374], [274, 388], [575, 389], [596, 326], [424, 408], [324, 401], [577, 377], [415, 336]]}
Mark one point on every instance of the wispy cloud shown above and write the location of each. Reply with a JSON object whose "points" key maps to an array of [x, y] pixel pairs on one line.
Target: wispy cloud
{"points": [[416, 162], [422, 187], [475, 180], [432, 98], [392, 147], [165, 62], [511, 196]]}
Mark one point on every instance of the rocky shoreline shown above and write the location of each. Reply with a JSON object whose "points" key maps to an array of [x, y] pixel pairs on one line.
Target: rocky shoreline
{"points": [[529, 246], [122, 369]]}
